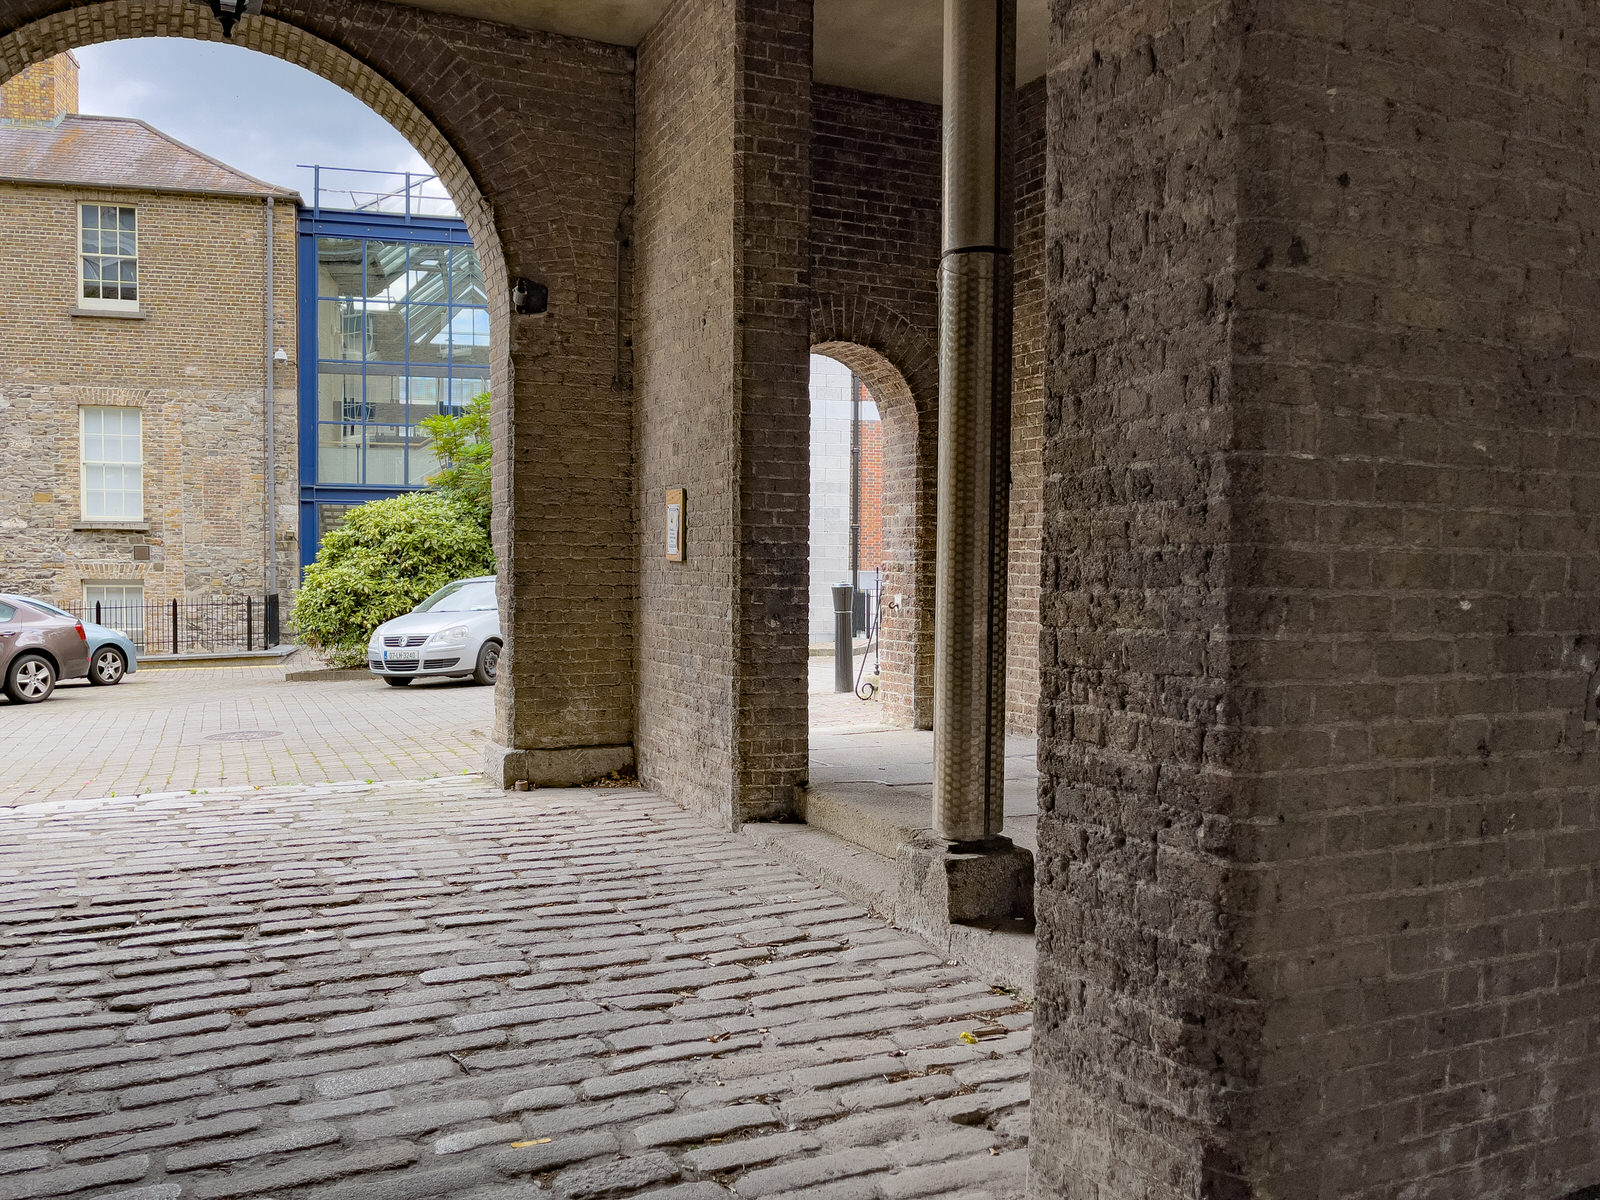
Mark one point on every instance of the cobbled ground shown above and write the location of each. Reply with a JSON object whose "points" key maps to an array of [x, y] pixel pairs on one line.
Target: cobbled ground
{"points": [[418, 990]]}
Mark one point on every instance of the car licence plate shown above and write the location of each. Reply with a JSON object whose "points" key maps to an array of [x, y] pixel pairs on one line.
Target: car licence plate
{"points": [[399, 656]]}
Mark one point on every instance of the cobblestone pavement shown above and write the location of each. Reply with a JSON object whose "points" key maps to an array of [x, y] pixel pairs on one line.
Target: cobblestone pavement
{"points": [[418, 990], [169, 730]]}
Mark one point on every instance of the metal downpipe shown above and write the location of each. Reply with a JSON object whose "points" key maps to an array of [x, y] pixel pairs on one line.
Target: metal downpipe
{"points": [[975, 302]]}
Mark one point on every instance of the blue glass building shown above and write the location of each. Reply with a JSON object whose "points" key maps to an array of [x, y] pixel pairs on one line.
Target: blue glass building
{"points": [[394, 327]]}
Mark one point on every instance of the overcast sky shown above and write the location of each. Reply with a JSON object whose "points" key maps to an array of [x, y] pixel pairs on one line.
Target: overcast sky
{"points": [[252, 111]]}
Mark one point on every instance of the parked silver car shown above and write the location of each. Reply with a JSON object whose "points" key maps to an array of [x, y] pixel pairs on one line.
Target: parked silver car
{"points": [[453, 634]]}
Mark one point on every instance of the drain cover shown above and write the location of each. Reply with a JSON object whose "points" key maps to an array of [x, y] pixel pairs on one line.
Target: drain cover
{"points": [[245, 735]]}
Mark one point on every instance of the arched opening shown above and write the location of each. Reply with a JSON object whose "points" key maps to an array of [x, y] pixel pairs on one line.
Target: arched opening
{"points": [[902, 574], [154, 427]]}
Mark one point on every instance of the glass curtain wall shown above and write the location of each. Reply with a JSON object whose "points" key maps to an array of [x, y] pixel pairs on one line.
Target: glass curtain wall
{"points": [[402, 333]]}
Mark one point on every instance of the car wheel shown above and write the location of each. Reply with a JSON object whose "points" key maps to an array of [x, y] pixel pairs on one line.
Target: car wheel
{"points": [[108, 666], [488, 663], [31, 679], [394, 681]]}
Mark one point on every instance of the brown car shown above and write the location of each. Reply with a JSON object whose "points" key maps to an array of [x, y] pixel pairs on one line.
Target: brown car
{"points": [[37, 649]]}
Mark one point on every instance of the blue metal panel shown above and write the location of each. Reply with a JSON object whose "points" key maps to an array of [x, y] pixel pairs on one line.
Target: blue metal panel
{"points": [[325, 223]]}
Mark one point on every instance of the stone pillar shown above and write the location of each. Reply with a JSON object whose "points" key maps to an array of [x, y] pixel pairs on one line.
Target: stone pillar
{"points": [[974, 873], [723, 307], [1318, 832]]}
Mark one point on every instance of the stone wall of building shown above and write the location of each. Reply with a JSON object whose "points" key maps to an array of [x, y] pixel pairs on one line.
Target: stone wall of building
{"points": [[721, 297], [192, 361], [1318, 830]]}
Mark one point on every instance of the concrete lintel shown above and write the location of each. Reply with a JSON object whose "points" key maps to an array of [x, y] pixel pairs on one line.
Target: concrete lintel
{"points": [[567, 766]]}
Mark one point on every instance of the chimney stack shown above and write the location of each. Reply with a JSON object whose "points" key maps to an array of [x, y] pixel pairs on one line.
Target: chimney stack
{"points": [[42, 94]]}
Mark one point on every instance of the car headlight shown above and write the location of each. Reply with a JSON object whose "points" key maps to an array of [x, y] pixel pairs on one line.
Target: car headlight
{"points": [[456, 633]]}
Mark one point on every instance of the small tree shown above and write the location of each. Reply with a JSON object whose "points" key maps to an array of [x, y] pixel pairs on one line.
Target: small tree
{"points": [[462, 444], [379, 562]]}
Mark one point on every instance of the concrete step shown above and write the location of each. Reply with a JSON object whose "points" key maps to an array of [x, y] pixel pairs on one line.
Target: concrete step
{"points": [[858, 874], [1003, 954], [877, 818]]}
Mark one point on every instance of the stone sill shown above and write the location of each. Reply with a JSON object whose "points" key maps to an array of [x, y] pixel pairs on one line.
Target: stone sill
{"points": [[116, 314], [111, 526]]}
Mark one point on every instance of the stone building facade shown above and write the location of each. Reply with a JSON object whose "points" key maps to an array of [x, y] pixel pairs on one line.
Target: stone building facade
{"points": [[134, 427], [1318, 905]]}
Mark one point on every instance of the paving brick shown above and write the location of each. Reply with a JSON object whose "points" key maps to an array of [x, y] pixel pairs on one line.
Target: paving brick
{"points": [[696, 1127], [376, 1079], [404, 1122], [422, 1095], [616, 1177], [171, 1135], [60, 1182], [299, 1173], [240, 1149], [748, 1152], [558, 1152], [810, 1171]]}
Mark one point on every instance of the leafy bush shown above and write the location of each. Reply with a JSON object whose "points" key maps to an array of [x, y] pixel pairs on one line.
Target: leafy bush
{"points": [[379, 562], [462, 444]]}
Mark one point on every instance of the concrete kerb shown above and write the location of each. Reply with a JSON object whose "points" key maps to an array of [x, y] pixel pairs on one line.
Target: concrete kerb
{"points": [[506, 767]]}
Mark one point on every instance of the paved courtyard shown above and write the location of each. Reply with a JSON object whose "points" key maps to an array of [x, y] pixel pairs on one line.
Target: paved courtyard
{"points": [[171, 730], [381, 991]]}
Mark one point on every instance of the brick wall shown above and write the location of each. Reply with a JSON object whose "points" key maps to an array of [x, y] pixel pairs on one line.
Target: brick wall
{"points": [[721, 295], [685, 397], [43, 93], [196, 375], [1144, 1026], [870, 492], [1318, 832], [1027, 416]]}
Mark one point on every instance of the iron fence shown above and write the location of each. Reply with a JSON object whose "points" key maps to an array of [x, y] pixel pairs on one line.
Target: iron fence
{"points": [[193, 626]]}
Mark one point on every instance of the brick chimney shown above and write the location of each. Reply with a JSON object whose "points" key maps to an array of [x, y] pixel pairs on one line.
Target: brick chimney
{"points": [[42, 94]]}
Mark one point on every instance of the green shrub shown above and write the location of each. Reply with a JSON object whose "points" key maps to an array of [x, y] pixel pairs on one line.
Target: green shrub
{"points": [[379, 562], [462, 443]]}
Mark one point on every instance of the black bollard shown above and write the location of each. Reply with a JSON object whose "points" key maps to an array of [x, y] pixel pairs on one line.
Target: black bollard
{"points": [[844, 612]]}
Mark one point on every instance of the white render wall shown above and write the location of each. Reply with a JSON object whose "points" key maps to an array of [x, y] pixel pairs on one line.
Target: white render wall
{"points": [[830, 489]]}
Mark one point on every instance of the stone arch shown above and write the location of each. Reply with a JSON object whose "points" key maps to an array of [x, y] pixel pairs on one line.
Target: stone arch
{"points": [[901, 368], [532, 136]]}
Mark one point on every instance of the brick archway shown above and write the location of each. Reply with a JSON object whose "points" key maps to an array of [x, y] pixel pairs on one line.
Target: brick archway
{"points": [[910, 454], [532, 135]]}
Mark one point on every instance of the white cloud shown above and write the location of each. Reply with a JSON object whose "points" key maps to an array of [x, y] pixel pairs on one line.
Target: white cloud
{"points": [[256, 113]]}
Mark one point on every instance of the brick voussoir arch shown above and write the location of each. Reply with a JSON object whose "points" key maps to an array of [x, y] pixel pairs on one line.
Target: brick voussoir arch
{"points": [[900, 364]]}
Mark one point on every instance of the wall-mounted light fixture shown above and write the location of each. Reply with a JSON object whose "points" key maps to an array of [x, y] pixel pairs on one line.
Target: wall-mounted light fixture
{"points": [[529, 296], [228, 12]]}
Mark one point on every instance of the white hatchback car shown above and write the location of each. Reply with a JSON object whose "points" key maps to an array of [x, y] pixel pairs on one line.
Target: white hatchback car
{"points": [[453, 634]]}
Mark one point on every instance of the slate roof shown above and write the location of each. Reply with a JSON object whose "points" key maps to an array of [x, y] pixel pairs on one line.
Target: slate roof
{"points": [[118, 152]]}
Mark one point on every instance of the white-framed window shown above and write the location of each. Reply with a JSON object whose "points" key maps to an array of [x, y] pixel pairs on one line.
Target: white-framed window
{"points": [[121, 605], [108, 257], [111, 447]]}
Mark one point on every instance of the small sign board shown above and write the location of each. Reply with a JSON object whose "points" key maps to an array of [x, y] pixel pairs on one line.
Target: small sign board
{"points": [[675, 513]]}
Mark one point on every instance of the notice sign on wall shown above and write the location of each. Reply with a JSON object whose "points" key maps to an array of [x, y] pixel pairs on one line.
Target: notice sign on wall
{"points": [[674, 524]]}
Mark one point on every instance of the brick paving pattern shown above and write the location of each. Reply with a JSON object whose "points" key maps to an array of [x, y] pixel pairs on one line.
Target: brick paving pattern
{"points": [[433, 989], [171, 730]]}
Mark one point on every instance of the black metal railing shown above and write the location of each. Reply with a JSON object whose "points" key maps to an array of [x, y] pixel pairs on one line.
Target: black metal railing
{"points": [[193, 626]]}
